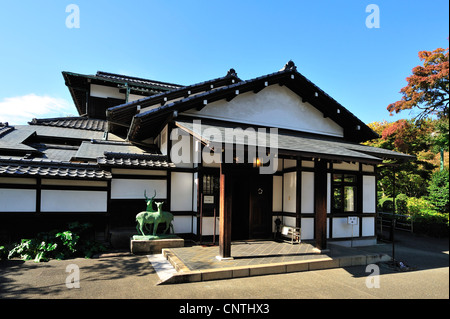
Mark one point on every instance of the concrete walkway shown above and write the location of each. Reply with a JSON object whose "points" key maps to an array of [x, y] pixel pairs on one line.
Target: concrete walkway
{"points": [[253, 258]]}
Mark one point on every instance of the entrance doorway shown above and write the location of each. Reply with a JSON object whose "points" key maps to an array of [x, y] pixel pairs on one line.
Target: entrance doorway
{"points": [[251, 205]]}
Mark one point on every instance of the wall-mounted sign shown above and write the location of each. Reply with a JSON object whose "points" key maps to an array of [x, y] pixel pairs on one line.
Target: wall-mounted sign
{"points": [[208, 199]]}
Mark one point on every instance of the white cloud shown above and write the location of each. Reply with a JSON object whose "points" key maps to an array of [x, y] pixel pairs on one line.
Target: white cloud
{"points": [[22, 109]]}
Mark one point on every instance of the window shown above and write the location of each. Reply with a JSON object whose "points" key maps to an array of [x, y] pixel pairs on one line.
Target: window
{"points": [[344, 193], [210, 184]]}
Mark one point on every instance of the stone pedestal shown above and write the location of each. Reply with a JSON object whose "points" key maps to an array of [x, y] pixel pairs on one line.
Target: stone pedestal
{"points": [[154, 244]]}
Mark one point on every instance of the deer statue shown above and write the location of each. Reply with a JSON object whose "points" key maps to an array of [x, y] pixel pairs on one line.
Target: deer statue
{"points": [[144, 218], [153, 217], [149, 202], [162, 217]]}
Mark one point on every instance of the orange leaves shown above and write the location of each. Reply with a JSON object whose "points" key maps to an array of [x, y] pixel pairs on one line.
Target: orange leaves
{"points": [[428, 86]]}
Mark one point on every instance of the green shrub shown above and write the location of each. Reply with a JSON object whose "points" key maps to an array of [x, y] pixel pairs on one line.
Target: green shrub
{"points": [[438, 190], [386, 205], [57, 244], [3, 252], [401, 204], [417, 205]]}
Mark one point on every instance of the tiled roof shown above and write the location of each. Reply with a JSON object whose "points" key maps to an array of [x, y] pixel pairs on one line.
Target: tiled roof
{"points": [[52, 169], [5, 128], [95, 148], [134, 160], [135, 80], [293, 142], [72, 122], [125, 112], [145, 122]]}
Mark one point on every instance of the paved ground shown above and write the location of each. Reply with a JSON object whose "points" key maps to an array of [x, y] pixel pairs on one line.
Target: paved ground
{"points": [[132, 277]]}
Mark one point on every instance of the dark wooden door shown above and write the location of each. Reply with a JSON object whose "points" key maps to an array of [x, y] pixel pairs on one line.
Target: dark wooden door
{"points": [[251, 205], [260, 206]]}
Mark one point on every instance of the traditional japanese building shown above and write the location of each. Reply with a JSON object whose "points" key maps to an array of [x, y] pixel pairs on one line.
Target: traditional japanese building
{"points": [[228, 157]]}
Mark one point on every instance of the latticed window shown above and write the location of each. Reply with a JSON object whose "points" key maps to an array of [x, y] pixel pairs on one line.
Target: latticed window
{"points": [[344, 192], [210, 184]]}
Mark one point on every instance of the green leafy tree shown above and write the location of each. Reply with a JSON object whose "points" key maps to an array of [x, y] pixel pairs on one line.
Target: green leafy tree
{"points": [[439, 191]]}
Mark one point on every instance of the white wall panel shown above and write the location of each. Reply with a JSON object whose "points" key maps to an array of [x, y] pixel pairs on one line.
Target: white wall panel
{"points": [[307, 228], [289, 192], [369, 194], [274, 106], [106, 91], [181, 191], [307, 192], [277, 203], [182, 224], [134, 188], [208, 226], [368, 226], [342, 229], [17, 200], [73, 201]]}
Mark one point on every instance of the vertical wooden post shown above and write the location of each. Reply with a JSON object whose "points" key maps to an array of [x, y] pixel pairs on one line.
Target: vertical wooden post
{"points": [[298, 199], [225, 215], [320, 201]]}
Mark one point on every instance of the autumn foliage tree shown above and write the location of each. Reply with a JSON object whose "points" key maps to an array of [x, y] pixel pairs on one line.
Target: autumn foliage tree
{"points": [[428, 86]]}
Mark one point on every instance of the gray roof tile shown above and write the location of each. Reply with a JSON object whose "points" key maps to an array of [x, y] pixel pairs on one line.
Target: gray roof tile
{"points": [[52, 169]]}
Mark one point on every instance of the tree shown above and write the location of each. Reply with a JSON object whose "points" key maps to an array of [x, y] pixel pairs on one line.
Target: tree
{"points": [[439, 191], [409, 137], [428, 86]]}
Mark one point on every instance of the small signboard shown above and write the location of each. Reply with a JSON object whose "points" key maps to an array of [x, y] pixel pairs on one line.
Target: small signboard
{"points": [[208, 199], [352, 220]]}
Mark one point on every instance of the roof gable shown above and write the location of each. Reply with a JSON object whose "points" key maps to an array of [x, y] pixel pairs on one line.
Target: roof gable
{"points": [[146, 123], [274, 106]]}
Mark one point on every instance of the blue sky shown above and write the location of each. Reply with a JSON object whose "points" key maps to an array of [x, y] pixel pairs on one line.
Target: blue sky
{"points": [[186, 42]]}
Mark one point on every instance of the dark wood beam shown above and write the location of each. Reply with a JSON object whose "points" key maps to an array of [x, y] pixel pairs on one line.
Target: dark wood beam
{"points": [[225, 214], [320, 204]]}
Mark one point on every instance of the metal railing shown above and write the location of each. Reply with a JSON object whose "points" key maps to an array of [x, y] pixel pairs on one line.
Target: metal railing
{"points": [[402, 222]]}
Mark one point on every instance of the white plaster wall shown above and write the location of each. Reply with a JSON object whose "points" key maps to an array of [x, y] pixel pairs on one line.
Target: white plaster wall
{"points": [[106, 91], [307, 228], [208, 226], [288, 163], [368, 168], [289, 192], [289, 221], [307, 192], [368, 226], [182, 224], [134, 188], [369, 194], [346, 166], [134, 97], [274, 106], [181, 191], [277, 197], [194, 193], [17, 200], [328, 193], [342, 229], [181, 152], [73, 201]]}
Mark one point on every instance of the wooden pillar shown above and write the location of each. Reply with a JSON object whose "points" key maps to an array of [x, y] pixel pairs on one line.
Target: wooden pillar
{"points": [[298, 200], [225, 215], [320, 204]]}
